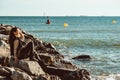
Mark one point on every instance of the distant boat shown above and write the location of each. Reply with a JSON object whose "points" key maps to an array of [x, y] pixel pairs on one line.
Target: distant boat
{"points": [[48, 21]]}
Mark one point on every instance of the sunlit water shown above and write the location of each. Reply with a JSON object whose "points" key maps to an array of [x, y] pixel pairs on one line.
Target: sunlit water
{"points": [[98, 37]]}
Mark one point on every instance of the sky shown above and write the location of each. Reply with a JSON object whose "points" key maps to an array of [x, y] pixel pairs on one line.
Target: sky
{"points": [[59, 7]]}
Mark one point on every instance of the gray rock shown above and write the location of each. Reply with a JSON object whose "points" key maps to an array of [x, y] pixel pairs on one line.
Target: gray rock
{"points": [[32, 67], [82, 57], [17, 75]]}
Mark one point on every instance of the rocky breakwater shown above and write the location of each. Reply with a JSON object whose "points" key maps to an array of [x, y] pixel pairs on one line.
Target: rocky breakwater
{"points": [[52, 65]]}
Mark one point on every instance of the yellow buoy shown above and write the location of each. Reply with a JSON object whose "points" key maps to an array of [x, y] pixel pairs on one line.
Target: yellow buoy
{"points": [[114, 21], [65, 25]]}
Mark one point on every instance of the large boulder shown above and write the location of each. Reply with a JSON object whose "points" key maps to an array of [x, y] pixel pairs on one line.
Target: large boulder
{"points": [[31, 67], [18, 75], [69, 74], [50, 60]]}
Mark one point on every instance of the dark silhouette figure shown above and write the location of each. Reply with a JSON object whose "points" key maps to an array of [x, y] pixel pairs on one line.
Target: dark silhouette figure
{"points": [[48, 20]]}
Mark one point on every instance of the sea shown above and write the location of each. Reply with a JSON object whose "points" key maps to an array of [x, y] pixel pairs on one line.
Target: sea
{"points": [[97, 36]]}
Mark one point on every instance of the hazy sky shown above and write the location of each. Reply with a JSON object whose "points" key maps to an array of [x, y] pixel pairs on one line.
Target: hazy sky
{"points": [[59, 7]]}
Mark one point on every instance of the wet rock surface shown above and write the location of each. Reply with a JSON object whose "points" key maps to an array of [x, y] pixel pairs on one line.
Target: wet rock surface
{"points": [[82, 57]]}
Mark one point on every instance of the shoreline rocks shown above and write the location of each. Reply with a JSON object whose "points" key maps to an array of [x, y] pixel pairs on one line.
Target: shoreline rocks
{"points": [[52, 65], [82, 57]]}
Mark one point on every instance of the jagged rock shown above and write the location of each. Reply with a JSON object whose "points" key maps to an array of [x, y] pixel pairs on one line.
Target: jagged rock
{"points": [[81, 74], [6, 71], [17, 75], [52, 61], [60, 63], [83, 57], [5, 29], [4, 49], [47, 77], [69, 74], [58, 71], [4, 44], [2, 59], [4, 78], [46, 58], [32, 67], [54, 77]]}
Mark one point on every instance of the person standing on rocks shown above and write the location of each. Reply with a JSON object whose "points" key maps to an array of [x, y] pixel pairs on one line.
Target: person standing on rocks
{"points": [[19, 49]]}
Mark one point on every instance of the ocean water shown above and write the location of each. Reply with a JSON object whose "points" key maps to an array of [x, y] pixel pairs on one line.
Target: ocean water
{"points": [[98, 37]]}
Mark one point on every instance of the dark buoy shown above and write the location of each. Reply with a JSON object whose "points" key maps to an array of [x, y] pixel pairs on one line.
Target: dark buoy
{"points": [[48, 21]]}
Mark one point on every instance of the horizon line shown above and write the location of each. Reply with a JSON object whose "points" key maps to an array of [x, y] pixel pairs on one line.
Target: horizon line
{"points": [[61, 16]]}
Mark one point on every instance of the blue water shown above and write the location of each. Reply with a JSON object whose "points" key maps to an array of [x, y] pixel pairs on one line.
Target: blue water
{"points": [[94, 36]]}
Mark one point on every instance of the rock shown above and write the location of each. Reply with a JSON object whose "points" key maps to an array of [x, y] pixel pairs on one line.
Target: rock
{"points": [[60, 63], [6, 71], [69, 74], [31, 67], [4, 49], [3, 44], [54, 77], [17, 75], [82, 57], [47, 77], [5, 29], [50, 60], [49, 45], [43, 47], [46, 58], [2, 59], [5, 78], [58, 71]]}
